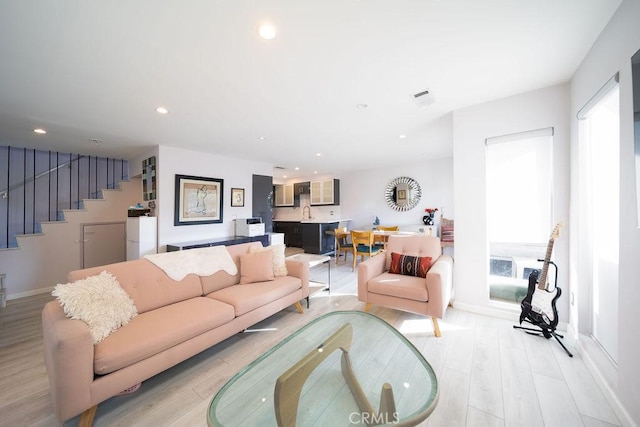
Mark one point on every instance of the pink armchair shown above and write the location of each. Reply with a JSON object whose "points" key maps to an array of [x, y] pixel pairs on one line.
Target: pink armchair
{"points": [[429, 296]]}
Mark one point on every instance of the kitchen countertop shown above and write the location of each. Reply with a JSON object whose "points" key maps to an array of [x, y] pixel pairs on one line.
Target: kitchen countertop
{"points": [[314, 220]]}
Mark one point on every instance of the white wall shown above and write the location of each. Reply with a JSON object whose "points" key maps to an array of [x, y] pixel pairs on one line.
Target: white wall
{"points": [[471, 126], [611, 53], [236, 173], [362, 193]]}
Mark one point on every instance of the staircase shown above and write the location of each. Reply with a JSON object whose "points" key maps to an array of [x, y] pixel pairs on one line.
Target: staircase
{"points": [[42, 260], [39, 186], [47, 242]]}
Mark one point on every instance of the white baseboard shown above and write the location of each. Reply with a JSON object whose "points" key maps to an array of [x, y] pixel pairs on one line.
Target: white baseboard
{"points": [[501, 313], [607, 390], [500, 310]]}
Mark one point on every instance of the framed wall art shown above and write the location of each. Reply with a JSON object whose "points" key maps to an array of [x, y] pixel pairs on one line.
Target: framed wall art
{"points": [[198, 200], [237, 197]]}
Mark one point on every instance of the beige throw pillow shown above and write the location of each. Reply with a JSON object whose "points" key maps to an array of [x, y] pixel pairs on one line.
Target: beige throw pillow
{"points": [[256, 267], [279, 262], [99, 301]]}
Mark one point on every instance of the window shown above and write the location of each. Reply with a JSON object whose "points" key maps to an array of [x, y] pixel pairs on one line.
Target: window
{"points": [[519, 209], [600, 141]]}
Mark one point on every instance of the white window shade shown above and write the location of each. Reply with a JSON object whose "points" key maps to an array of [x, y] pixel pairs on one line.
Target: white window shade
{"points": [[519, 187], [590, 106]]}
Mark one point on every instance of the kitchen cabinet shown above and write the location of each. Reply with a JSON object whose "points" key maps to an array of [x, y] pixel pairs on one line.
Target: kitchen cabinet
{"points": [[325, 192], [301, 188], [317, 238], [284, 195], [291, 230]]}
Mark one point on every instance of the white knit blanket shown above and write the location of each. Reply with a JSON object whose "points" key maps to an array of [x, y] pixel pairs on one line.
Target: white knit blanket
{"points": [[201, 261]]}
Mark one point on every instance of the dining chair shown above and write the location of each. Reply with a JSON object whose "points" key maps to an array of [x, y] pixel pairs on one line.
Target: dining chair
{"points": [[362, 242], [381, 240], [446, 231], [342, 243]]}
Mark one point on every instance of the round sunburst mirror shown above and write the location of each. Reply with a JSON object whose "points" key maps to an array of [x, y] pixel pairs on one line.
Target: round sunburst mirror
{"points": [[403, 193]]}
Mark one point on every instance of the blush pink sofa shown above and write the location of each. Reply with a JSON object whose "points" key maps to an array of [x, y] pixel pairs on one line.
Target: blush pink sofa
{"points": [[428, 296], [176, 320]]}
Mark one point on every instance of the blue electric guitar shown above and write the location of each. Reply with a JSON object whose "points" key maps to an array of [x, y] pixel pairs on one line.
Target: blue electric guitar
{"points": [[539, 305]]}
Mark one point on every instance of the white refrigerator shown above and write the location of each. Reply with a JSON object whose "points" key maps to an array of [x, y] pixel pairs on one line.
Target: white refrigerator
{"points": [[141, 236]]}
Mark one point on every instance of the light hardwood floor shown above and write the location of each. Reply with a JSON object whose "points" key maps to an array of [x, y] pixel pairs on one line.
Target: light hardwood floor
{"points": [[489, 374]]}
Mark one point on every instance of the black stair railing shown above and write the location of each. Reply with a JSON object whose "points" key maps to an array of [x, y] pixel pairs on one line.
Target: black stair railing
{"points": [[37, 185]]}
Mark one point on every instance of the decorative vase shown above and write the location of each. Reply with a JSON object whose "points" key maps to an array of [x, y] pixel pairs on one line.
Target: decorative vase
{"points": [[428, 219]]}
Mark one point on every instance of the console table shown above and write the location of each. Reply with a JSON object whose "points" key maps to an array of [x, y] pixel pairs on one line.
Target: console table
{"points": [[218, 241]]}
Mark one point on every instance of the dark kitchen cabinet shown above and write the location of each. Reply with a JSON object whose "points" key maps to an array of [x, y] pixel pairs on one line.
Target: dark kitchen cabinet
{"points": [[292, 232], [317, 238]]}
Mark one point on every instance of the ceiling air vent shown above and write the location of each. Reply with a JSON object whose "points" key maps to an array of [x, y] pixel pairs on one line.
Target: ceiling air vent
{"points": [[279, 167], [424, 98]]}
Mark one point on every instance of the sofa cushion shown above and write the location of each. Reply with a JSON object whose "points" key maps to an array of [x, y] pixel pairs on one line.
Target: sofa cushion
{"points": [[279, 264], [408, 287], [148, 286], [245, 298], [98, 301], [256, 267], [409, 265], [413, 245], [157, 330], [222, 279]]}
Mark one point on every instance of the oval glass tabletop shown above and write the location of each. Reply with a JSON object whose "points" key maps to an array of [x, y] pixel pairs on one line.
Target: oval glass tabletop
{"points": [[345, 367]]}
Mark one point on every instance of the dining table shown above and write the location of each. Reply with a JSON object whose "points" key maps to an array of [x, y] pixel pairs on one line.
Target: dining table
{"points": [[383, 234]]}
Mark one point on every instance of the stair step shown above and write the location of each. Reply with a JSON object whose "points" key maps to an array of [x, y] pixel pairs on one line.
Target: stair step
{"points": [[80, 206], [29, 235]]}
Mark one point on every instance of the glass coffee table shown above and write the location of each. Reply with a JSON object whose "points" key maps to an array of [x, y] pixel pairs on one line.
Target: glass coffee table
{"points": [[345, 367]]}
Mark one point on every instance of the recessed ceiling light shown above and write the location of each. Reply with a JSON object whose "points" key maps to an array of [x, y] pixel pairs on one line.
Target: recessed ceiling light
{"points": [[318, 154], [40, 131], [284, 176], [361, 106], [403, 136], [267, 31], [162, 110], [261, 138], [315, 171], [297, 168]]}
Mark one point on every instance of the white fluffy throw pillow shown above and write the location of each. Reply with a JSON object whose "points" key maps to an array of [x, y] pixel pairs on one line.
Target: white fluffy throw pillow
{"points": [[99, 301], [279, 263]]}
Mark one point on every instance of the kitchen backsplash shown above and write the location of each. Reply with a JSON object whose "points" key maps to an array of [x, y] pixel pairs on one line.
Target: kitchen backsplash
{"points": [[317, 212]]}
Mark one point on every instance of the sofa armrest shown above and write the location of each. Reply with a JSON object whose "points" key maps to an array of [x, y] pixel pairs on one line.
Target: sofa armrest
{"points": [[440, 285], [367, 270], [300, 270], [68, 355]]}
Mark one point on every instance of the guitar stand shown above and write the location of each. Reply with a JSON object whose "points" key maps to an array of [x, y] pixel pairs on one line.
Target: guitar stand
{"points": [[545, 332]]}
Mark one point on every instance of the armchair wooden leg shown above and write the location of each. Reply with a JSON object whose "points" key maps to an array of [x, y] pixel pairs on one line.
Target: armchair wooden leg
{"points": [[299, 307], [367, 307], [86, 418], [436, 328]]}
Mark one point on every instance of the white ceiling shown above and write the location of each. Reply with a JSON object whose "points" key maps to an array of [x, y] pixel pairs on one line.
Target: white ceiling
{"points": [[89, 69]]}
